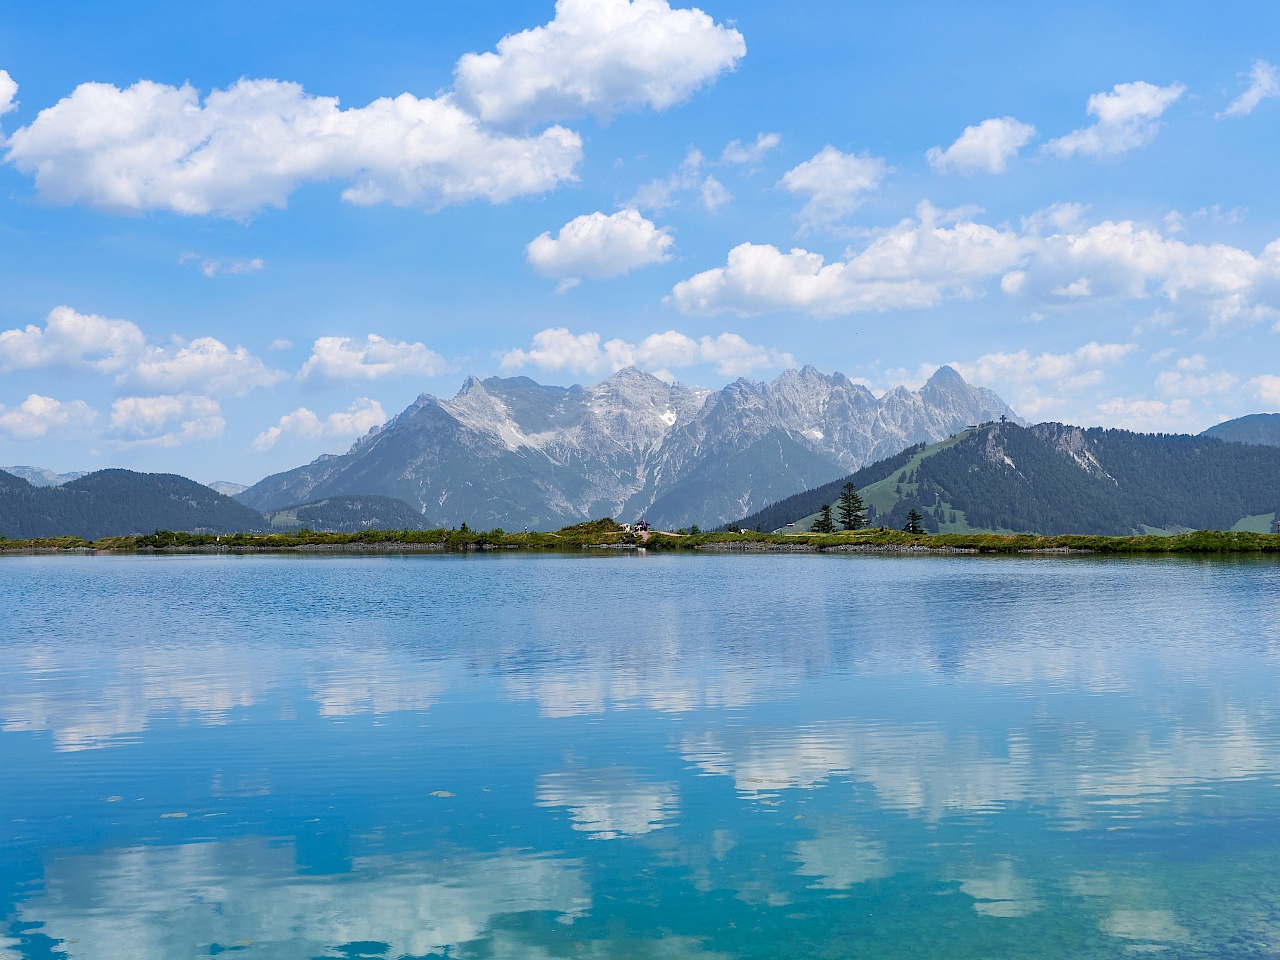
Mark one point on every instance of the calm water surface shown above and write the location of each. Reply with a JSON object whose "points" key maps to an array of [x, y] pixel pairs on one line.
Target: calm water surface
{"points": [[641, 757]]}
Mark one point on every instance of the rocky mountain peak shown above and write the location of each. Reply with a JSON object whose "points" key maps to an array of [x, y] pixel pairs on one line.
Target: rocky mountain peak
{"points": [[472, 384], [946, 376], [631, 374], [807, 376], [475, 407]]}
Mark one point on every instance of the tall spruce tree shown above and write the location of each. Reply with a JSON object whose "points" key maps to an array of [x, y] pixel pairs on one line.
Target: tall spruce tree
{"points": [[824, 523], [853, 515], [913, 522]]}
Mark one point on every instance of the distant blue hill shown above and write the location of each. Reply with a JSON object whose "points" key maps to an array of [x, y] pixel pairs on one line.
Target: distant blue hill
{"points": [[112, 503], [1262, 429]]}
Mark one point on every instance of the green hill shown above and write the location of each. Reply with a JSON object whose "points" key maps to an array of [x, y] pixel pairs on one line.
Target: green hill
{"points": [[118, 503], [804, 506], [1055, 479], [1258, 428], [348, 515]]}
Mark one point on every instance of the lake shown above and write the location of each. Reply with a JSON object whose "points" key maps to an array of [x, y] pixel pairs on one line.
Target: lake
{"points": [[662, 757]]}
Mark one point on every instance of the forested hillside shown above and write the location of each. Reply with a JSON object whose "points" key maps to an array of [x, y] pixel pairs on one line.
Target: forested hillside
{"points": [[1257, 428], [793, 508], [348, 515], [1057, 479], [119, 502]]}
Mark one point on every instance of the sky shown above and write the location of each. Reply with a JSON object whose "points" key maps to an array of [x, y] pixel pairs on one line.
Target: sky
{"points": [[235, 236]]}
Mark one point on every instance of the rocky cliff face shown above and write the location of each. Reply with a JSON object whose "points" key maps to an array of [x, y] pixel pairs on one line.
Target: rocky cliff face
{"points": [[515, 453], [1072, 443]]}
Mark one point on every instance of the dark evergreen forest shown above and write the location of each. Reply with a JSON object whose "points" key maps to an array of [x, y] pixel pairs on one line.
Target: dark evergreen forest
{"points": [[1259, 428], [349, 515], [1055, 479], [117, 503]]}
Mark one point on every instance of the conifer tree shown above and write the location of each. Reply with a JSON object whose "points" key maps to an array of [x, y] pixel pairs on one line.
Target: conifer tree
{"points": [[853, 515], [824, 523], [913, 522]]}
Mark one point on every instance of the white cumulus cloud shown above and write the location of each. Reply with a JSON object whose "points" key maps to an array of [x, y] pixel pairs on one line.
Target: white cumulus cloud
{"points": [[1264, 82], [918, 263], [37, 416], [1127, 117], [8, 90], [205, 365], [1266, 388], [69, 338], [1144, 416], [1022, 366], [597, 246], [166, 421], [1126, 261], [834, 182], [346, 358], [598, 57], [153, 146], [985, 148], [738, 154], [558, 349], [157, 147], [356, 420], [1055, 258], [1045, 382]]}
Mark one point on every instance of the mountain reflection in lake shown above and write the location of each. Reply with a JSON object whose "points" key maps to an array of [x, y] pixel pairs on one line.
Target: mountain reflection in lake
{"points": [[666, 757]]}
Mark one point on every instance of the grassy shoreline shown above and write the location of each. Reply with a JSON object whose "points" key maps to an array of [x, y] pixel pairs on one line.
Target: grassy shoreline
{"points": [[604, 534]]}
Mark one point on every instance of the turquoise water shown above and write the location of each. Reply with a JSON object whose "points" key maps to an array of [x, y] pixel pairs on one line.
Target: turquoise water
{"points": [[641, 757]]}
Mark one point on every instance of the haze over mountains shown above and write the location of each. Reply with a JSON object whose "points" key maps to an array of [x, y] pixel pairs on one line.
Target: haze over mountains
{"points": [[512, 452]]}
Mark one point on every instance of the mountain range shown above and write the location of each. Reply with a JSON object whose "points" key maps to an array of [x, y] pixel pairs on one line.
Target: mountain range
{"points": [[1054, 479], [40, 477], [512, 452]]}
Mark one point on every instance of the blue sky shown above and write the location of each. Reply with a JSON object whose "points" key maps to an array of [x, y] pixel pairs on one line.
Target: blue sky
{"points": [[211, 266]]}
